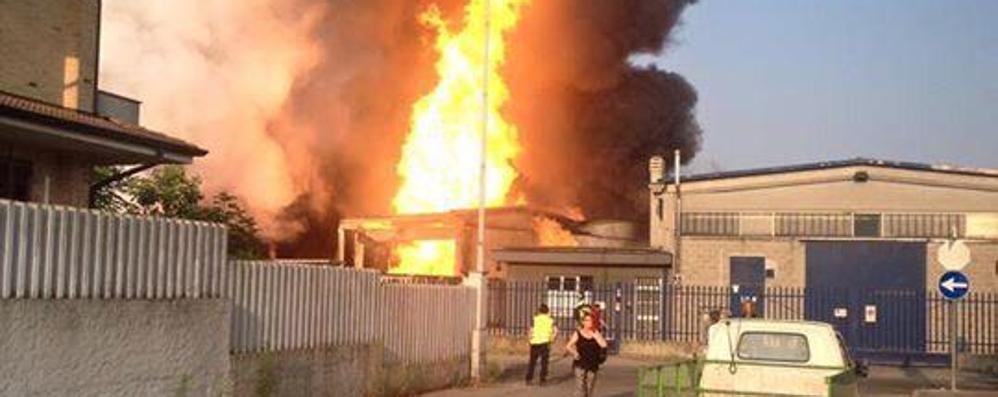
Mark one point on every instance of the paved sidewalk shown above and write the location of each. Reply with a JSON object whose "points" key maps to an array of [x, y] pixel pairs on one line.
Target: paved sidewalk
{"points": [[617, 378], [897, 381]]}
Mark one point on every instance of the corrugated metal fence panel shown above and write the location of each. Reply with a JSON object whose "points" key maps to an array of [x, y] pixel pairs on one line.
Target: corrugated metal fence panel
{"points": [[427, 323], [288, 305], [55, 252]]}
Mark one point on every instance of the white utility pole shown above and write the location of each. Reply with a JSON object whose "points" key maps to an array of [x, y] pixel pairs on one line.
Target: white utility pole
{"points": [[678, 225], [478, 276]]}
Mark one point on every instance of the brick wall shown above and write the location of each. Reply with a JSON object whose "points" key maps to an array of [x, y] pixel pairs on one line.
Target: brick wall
{"points": [[69, 176], [706, 260], [49, 50], [982, 271]]}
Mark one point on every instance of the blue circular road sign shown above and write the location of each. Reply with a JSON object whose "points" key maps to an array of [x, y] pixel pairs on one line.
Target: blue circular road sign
{"points": [[954, 285]]}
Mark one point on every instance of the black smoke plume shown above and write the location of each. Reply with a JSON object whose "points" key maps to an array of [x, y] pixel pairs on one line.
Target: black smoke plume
{"points": [[588, 119]]}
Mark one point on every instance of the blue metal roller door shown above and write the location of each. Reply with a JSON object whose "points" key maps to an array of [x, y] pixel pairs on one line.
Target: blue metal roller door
{"points": [[872, 291]]}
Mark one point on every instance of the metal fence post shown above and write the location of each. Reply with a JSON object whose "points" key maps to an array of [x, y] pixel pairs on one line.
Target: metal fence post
{"points": [[952, 344]]}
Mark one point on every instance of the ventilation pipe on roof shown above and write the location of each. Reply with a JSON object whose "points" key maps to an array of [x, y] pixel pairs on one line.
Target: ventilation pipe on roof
{"points": [[656, 169]]}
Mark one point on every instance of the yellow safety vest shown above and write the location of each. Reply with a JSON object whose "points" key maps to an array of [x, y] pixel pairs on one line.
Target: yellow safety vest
{"points": [[543, 330]]}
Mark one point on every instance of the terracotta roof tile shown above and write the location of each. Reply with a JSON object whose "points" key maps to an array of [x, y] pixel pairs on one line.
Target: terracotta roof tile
{"points": [[92, 123]]}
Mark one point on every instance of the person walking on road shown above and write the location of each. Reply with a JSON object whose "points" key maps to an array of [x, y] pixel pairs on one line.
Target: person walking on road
{"points": [[588, 347], [542, 333]]}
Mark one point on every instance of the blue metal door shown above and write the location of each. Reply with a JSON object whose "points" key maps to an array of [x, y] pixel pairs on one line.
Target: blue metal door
{"points": [[873, 292], [748, 282]]}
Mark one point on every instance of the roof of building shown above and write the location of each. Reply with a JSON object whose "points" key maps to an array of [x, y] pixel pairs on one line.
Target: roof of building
{"points": [[51, 115], [467, 215], [583, 256], [859, 161]]}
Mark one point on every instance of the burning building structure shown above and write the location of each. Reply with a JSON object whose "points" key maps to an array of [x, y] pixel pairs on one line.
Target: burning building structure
{"points": [[522, 243], [463, 149], [380, 242]]}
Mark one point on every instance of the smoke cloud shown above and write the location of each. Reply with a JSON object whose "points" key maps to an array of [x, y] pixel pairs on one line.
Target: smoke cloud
{"points": [[590, 119], [217, 73], [304, 104]]}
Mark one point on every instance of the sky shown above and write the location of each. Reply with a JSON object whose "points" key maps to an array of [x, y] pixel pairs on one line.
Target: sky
{"points": [[785, 82]]}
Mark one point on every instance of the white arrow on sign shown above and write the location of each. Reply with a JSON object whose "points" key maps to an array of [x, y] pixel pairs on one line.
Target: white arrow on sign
{"points": [[951, 284]]}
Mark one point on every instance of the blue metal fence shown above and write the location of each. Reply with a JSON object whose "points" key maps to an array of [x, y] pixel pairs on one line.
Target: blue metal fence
{"points": [[907, 324]]}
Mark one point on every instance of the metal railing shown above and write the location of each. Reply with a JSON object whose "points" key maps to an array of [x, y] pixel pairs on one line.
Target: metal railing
{"points": [[710, 223], [924, 225], [682, 313], [56, 252], [282, 305], [831, 224], [812, 224]]}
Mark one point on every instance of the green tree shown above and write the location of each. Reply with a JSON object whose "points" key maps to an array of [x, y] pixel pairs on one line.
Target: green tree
{"points": [[109, 198], [169, 191], [244, 236]]}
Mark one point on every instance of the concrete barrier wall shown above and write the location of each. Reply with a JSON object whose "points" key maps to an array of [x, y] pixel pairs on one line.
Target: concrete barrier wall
{"points": [[114, 347], [342, 371]]}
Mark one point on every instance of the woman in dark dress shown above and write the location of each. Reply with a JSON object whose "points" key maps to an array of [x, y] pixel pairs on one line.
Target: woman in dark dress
{"points": [[586, 346]]}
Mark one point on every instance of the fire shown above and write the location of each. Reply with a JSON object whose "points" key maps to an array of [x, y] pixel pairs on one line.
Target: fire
{"points": [[440, 161], [425, 256], [550, 233]]}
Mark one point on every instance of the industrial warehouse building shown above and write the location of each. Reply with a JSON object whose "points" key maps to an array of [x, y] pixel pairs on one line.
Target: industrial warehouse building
{"points": [[860, 223], [854, 242]]}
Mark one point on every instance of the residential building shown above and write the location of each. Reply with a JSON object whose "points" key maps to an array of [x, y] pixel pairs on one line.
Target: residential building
{"points": [[55, 124]]}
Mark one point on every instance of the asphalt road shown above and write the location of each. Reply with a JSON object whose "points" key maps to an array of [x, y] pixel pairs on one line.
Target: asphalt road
{"points": [[619, 375]]}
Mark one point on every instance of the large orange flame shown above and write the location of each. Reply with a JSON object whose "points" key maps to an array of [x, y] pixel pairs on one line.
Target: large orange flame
{"points": [[440, 160], [550, 233]]}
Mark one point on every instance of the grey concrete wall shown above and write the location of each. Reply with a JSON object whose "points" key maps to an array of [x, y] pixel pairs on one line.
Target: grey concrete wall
{"points": [[114, 348], [343, 371], [337, 371]]}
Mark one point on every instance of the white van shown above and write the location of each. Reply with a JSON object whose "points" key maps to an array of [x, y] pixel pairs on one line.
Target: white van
{"points": [[777, 357], [761, 357]]}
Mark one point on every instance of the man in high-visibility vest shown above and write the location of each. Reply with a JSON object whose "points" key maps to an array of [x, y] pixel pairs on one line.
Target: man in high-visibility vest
{"points": [[542, 333]]}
